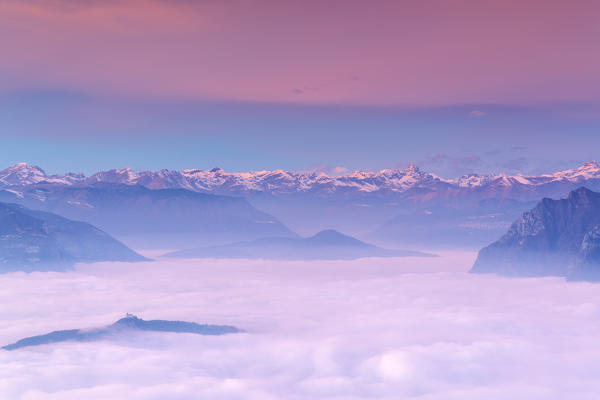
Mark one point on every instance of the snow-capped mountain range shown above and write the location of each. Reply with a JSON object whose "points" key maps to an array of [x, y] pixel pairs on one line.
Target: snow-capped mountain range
{"points": [[280, 182], [391, 206]]}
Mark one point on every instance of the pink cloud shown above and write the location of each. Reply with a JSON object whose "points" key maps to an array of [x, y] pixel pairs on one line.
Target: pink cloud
{"points": [[405, 53], [477, 114]]}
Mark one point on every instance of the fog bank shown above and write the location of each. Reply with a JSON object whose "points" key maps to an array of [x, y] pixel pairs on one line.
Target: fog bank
{"points": [[399, 328]]}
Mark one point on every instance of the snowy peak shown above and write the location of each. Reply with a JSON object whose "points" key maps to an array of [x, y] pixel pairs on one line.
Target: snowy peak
{"points": [[22, 174], [472, 180], [219, 181], [589, 170], [163, 179], [126, 176]]}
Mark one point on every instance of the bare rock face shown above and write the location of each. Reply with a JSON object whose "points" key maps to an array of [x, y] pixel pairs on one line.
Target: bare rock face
{"points": [[556, 238]]}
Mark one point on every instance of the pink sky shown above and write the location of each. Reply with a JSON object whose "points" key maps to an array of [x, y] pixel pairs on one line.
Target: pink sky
{"points": [[340, 52]]}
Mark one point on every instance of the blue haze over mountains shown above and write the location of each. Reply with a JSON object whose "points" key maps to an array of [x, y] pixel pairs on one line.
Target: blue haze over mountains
{"points": [[194, 208], [325, 245]]}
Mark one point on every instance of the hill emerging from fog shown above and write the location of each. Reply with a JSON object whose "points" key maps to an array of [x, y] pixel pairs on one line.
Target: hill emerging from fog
{"points": [[325, 245], [123, 327], [33, 240], [556, 238]]}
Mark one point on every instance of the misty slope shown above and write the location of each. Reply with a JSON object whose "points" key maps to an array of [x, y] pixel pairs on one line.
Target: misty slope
{"points": [[123, 327], [443, 225], [34, 240], [134, 210], [557, 237], [328, 244]]}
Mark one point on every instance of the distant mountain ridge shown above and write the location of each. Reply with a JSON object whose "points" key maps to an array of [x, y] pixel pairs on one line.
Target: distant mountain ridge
{"points": [[556, 238], [391, 207], [282, 182], [325, 245]]}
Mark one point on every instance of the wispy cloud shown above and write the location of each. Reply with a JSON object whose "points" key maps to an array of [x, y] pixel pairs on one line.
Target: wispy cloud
{"points": [[515, 165], [477, 114], [452, 165], [327, 169]]}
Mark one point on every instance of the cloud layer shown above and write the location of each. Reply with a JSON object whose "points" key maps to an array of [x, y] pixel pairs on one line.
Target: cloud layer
{"points": [[385, 329]]}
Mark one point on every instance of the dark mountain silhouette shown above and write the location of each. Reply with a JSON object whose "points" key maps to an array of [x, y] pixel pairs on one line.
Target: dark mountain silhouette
{"points": [[123, 326], [557, 237], [327, 244], [35, 240]]}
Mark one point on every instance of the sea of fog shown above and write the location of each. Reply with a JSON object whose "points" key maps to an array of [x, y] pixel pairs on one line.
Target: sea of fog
{"points": [[404, 328]]}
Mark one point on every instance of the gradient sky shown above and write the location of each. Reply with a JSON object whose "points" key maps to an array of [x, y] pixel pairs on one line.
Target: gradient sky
{"points": [[455, 86]]}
